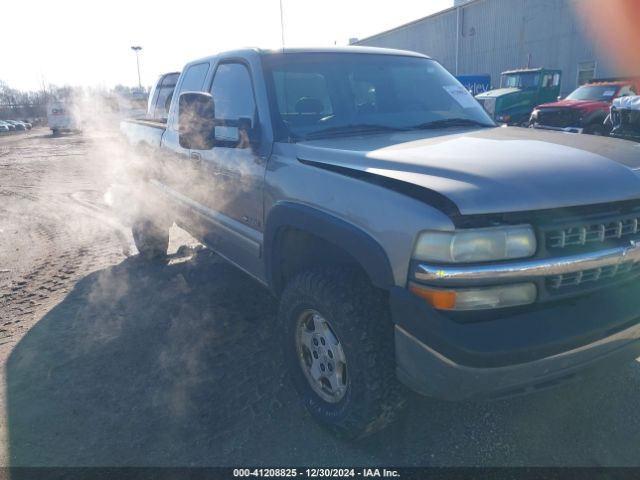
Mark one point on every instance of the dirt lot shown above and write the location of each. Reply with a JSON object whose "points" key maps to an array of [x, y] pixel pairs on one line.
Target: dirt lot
{"points": [[107, 360]]}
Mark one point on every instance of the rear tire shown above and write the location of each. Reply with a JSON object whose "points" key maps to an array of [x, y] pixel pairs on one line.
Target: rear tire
{"points": [[151, 240], [340, 306]]}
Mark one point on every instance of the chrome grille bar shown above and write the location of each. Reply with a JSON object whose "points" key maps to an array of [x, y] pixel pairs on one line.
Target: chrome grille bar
{"points": [[591, 234], [465, 274], [573, 279]]}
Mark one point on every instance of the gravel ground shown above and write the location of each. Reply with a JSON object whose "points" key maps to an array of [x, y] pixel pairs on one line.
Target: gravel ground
{"points": [[110, 361]]}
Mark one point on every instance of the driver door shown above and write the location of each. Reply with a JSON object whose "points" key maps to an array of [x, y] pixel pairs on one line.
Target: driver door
{"points": [[234, 170]]}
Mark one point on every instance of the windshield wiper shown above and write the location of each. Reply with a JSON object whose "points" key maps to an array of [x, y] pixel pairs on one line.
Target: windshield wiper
{"points": [[452, 122], [354, 128]]}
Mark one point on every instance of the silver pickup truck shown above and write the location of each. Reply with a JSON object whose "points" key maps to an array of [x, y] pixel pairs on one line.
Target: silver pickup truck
{"points": [[407, 237]]}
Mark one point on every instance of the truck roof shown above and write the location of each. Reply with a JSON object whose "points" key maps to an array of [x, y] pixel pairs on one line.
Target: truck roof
{"points": [[610, 82], [626, 79], [529, 70], [347, 49]]}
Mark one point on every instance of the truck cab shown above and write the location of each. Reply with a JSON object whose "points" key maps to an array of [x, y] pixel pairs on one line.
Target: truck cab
{"points": [[520, 91], [585, 109]]}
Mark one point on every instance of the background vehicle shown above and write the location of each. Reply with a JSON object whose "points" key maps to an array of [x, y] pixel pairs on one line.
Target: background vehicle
{"points": [[584, 110], [625, 118], [520, 91], [403, 233], [160, 96], [60, 118], [3, 127], [10, 126], [27, 125], [18, 125]]}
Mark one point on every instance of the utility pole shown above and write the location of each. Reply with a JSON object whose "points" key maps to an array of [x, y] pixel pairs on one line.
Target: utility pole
{"points": [[137, 50], [42, 111], [282, 24]]}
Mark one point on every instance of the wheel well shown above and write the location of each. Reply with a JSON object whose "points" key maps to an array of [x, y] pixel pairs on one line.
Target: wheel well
{"points": [[595, 118], [596, 123], [296, 250]]}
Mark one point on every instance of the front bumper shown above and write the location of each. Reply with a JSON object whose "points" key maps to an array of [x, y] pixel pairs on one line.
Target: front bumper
{"points": [[516, 352], [527, 269], [558, 129], [626, 135]]}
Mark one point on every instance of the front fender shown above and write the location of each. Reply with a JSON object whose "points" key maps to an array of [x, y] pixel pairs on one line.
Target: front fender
{"points": [[596, 116], [351, 239]]}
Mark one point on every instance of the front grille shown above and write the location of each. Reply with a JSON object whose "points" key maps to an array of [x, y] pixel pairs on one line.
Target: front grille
{"points": [[573, 235], [557, 282], [591, 234], [630, 118], [559, 117], [625, 122], [489, 104]]}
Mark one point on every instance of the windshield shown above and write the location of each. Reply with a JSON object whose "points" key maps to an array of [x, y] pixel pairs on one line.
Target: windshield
{"points": [[316, 93], [603, 93], [521, 80]]}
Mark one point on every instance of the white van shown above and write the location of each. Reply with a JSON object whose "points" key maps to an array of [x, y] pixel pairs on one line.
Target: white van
{"points": [[60, 118]]}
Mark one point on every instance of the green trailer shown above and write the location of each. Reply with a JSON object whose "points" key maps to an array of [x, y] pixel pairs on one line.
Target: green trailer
{"points": [[519, 93]]}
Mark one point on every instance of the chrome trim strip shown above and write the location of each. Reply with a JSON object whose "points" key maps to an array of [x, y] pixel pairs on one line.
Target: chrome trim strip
{"points": [[558, 129], [525, 269]]}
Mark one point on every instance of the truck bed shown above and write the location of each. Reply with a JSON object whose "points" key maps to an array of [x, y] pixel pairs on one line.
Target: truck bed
{"points": [[142, 132]]}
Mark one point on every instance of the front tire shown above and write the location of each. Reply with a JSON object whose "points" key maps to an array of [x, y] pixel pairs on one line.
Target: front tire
{"points": [[151, 240], [597, 129], [338, 347]]}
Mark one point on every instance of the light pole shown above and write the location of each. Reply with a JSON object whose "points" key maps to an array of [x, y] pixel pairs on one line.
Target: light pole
{"points": [[137, 50]]}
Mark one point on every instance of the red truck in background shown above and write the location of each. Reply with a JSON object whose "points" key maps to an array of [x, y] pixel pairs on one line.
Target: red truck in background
{"points": [[585, 109]]}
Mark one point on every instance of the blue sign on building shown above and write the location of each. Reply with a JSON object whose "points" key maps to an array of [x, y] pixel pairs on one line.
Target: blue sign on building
{"points": [[475, 83]]}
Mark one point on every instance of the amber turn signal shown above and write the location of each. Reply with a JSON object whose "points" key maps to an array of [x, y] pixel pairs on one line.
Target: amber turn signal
{"points": [[477, 298], [439, 299]]}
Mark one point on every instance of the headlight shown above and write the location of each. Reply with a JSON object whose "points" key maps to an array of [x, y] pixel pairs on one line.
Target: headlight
{"points": [[476, 245], [535, 113]]}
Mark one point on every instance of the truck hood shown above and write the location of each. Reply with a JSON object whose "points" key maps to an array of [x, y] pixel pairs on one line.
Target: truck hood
{"points": [[576, 104], [494, 170], [627, 103], [498, 92]]}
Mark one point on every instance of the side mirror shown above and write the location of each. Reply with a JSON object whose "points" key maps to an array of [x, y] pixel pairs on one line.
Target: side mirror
{"points": [[559, 97], [196, 124], [238, 130]]}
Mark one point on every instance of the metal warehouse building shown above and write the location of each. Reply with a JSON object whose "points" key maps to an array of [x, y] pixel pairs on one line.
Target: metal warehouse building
{"points": [[478, 37]]}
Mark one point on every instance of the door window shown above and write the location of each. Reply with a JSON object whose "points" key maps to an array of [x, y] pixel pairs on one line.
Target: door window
{"points": [[165, 93], [194, 78], [233, 98], [193, 81], [551, 80], [626, 91]]}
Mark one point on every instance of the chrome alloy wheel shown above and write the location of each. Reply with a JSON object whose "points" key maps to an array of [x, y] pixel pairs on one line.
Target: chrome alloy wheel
{"points": [[322, 358]]}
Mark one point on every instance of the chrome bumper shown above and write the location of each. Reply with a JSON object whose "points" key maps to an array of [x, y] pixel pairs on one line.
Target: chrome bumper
{"points": [[460, 275], [558, 129]]}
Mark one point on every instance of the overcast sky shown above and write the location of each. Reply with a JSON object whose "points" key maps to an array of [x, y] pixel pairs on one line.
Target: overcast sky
{"points": [[72, 42]]}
